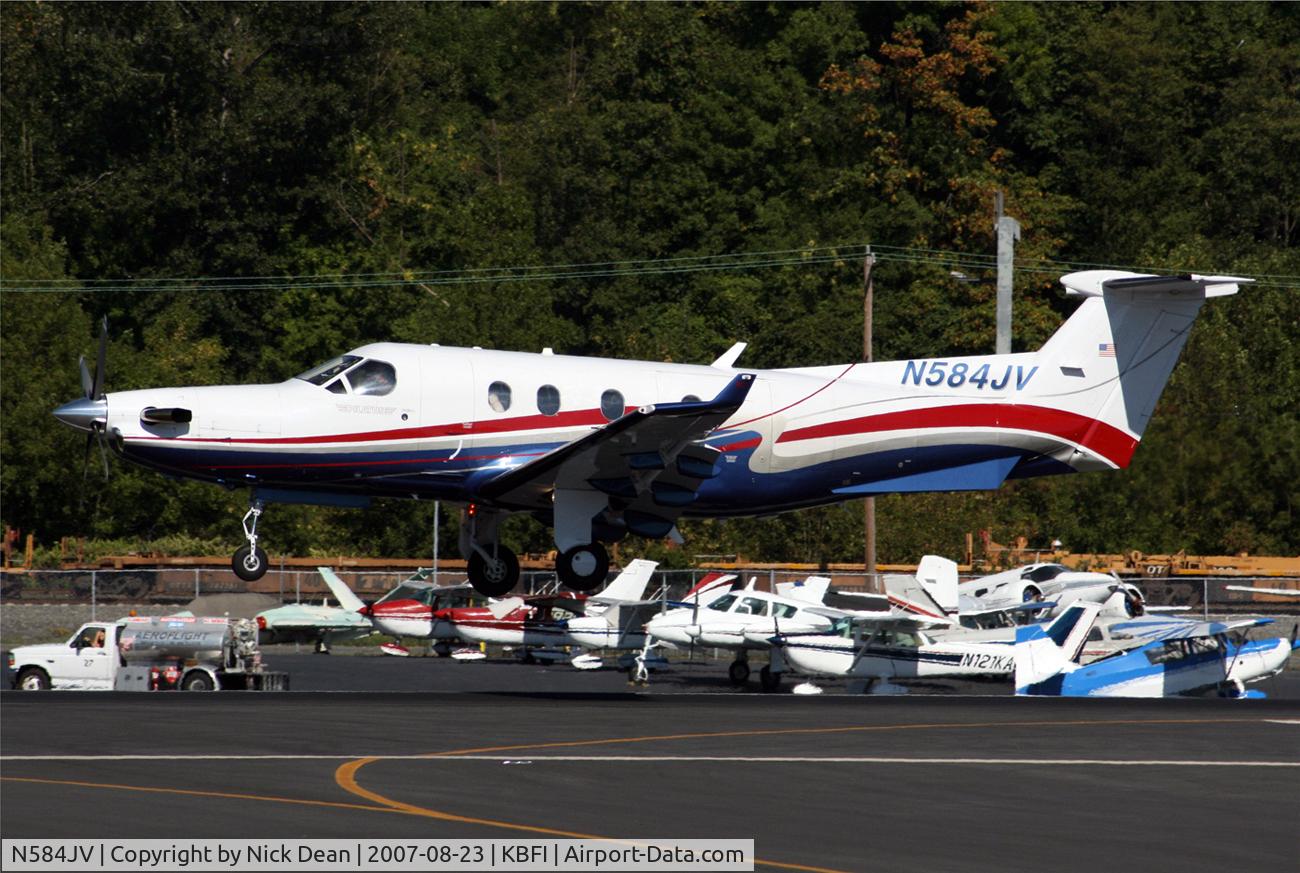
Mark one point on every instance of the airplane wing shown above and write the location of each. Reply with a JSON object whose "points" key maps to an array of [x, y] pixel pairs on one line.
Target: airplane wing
{"points": [[1150, 630], [650, 462], [1278, 592]]}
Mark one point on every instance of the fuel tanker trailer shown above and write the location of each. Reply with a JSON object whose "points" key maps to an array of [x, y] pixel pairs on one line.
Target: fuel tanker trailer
{"points": [[191, 653]]}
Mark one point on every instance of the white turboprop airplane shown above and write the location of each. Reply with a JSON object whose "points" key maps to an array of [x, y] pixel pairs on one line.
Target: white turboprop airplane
{"points": [[600, 448]]}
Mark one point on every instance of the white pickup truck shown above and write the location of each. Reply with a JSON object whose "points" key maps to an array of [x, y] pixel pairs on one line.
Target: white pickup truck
{"points": [[192, 653]]}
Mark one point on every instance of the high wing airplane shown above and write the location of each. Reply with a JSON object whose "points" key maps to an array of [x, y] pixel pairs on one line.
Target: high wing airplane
{"points": [[1188, 658], [418, 608], [893, 646], [600, 448]]}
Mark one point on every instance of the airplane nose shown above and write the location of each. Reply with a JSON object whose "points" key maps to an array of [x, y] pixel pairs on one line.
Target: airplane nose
{"points": [[84, 413]]}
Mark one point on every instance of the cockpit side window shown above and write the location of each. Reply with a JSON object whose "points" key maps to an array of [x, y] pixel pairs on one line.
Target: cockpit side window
{"points": [[328, 370], [375, 378], [722, 604]]}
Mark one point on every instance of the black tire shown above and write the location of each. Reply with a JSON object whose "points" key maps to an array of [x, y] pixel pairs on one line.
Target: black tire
{"points": [[33, 679], [197, 680], [249, 564], [583, 568], [769, 680], [494, 578], [738, 673], [442, 649]]}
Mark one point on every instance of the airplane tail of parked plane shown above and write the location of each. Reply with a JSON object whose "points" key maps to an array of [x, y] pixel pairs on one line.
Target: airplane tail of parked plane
{"points": [[631, 583], [1108, 363], [1042, 652], [342, 593]]}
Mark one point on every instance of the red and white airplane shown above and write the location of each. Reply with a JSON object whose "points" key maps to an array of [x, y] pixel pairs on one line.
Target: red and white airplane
{"points": [[612, 619], [600, 448]]}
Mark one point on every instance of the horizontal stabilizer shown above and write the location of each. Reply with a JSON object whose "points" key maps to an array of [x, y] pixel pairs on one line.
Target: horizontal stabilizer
{"points": [[1098, 283]]}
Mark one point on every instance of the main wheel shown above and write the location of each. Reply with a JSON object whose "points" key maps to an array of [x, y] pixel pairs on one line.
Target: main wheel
{"points": [[442, 649], [583, 568], [495, 578], [249, 564], [33, 679], [768, 679], [196, 680], [738, 672]]}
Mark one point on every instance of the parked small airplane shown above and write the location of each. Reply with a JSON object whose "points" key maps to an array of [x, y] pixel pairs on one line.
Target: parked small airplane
{"points": [[892, 646], [1189, 658], [318, 624], [599, 449], [612, 619], [745, 620], [418, 608]]}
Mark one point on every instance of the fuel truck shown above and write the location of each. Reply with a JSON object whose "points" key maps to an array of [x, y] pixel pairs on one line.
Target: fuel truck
{"points": [[189, 653]]}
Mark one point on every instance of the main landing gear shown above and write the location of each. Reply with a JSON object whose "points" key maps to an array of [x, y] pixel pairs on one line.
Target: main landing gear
{"points": [[249, 562], [492, 568]]}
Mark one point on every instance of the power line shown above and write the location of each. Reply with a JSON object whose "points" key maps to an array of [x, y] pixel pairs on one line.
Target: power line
{"points": [[780, 258]]}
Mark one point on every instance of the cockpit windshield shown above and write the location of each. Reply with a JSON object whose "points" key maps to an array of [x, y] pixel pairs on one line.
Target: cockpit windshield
{"points": [[421, 593], [371, 377], [328, 370]]}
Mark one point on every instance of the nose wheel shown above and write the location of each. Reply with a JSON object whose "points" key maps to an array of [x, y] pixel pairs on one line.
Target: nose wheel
{"points": [[250, 563], [583, 568]]}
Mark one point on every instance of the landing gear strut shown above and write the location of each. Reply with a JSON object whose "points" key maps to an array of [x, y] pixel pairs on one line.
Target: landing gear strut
{"points": [[492, 568], [249, 562]]}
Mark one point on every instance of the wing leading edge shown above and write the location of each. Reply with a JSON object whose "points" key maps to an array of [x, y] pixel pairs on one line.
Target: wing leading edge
{"points": [[648, 464]]}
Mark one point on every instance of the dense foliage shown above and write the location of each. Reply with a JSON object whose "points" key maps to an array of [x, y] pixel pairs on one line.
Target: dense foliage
{"points": [[164, 140]]}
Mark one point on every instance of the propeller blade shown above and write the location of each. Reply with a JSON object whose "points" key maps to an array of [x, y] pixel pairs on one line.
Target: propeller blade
{"points": [[100, 361], [87, 384], [103, 452]]}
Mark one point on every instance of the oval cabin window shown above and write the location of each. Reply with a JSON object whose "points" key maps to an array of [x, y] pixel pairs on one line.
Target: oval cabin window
{"points": [[548, 400], [499, 396], [611, 404]]}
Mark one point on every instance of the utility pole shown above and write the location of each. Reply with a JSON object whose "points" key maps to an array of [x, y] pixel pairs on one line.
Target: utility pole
{"points": [[868, 504], [1008, 231]]}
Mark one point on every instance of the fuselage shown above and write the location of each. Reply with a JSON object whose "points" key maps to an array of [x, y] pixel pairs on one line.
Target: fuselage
{"points": [[896, 655], [443, 421]]}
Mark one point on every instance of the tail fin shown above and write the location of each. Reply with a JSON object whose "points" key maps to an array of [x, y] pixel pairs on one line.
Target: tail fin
{"points": [[342, 593], [631, 583], [1043, 652], [1111, 359], [932, 592], [711, 582]]}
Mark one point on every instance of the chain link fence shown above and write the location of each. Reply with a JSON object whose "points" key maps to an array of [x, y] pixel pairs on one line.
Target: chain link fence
{"points": [[173, 585]]}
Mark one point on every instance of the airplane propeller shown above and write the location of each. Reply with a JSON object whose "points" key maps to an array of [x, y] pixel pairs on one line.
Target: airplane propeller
{"points": [[90, 413]]}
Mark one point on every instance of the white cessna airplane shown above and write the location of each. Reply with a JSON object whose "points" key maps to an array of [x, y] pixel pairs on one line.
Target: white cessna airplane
{"points": [[600, 448]]}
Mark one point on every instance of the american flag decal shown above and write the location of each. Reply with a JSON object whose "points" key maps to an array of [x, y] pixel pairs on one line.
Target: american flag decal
{"points": [[1105, 350]]}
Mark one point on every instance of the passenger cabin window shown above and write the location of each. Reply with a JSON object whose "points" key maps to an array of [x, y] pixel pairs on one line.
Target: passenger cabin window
{"points": [[499, 396], [752, 606], [374, 378], [548, 400], [611, 404], [784, 610]]}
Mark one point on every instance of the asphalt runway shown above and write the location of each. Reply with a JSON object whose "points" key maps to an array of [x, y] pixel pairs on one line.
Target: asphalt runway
{"points": [[837, 782]]}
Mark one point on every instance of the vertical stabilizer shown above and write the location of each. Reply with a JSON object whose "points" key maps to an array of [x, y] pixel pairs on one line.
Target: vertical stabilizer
{"points": [[342, 593], [1111, 359], [1043, 652], [630, 584]]}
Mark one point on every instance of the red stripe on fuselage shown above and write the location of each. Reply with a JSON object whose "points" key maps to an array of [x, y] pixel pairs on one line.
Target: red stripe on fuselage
{"points": [[577, 418], [1097, 436]]}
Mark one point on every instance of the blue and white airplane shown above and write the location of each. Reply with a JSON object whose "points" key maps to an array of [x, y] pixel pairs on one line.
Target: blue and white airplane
{"points": [[1185, 658], [600, 448]]}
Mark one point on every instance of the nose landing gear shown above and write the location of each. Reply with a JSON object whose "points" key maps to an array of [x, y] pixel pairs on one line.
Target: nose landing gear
{"points": [[250, 562]]}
